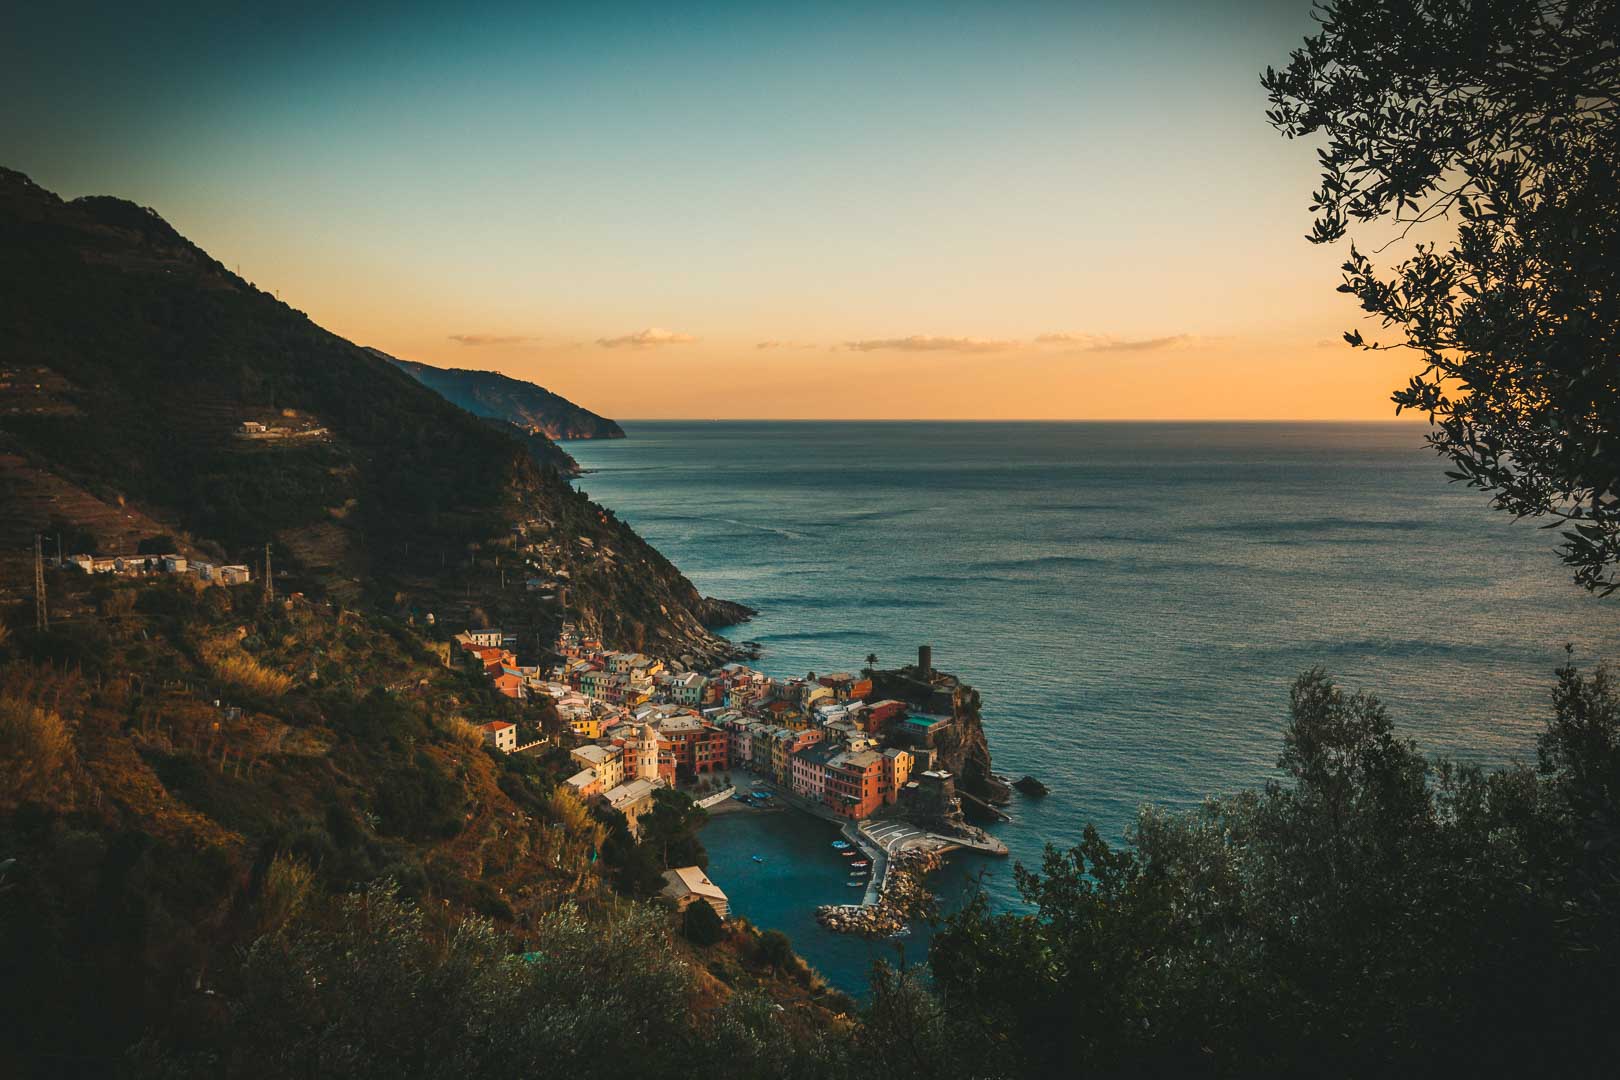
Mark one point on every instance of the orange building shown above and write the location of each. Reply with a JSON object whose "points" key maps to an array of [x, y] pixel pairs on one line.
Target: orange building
{"points": [[880, 713], [509, 683], [854, 783]]}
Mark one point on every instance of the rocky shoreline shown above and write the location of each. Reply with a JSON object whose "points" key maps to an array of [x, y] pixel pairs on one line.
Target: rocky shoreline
{"points": [[904, 897]]}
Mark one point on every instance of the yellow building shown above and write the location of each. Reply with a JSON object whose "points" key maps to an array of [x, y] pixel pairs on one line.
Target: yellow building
{"points": [[587, 726], [607, 761]]}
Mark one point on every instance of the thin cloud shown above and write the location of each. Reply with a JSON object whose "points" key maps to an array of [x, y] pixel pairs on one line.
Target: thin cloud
{"points": [[774, 344], [1106, 343], [642, 339], [490, 339], [930, 343]]}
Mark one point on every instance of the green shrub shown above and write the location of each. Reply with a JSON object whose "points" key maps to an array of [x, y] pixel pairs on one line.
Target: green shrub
{"points": [[702, 925]]}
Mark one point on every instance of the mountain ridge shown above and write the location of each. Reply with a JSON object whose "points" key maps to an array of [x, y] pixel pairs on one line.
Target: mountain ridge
{"points": [[135, 360], [498, 396]]}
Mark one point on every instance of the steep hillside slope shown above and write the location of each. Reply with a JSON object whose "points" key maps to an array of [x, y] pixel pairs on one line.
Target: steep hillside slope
{"points": [[500, 397], [193, 770], [131, 361]]}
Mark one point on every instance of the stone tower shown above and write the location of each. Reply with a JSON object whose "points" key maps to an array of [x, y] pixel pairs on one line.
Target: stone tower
{"points": [[644, 754], [925, 662]]}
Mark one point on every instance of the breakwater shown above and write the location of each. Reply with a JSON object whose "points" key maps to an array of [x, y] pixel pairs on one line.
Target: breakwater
{"points": [[901, 898]]}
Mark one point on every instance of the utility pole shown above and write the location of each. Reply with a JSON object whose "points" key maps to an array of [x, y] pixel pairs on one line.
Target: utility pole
{"points": [[42, 618], [269, 588]]}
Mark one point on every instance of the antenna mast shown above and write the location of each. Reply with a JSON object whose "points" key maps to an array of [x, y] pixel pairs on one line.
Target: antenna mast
{"points": [[42, 618]]}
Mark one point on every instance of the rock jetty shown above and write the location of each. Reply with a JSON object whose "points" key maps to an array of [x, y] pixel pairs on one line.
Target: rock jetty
{"points": [[903, 897]]}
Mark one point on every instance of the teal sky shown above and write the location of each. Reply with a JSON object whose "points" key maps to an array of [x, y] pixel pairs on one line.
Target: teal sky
{"points": [[866, 187]]}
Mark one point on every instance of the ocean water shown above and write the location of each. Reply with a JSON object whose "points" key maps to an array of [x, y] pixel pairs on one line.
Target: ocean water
{"points": [[1131, 599]]}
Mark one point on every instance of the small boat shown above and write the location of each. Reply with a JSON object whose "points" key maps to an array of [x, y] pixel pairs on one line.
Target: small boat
{"points": [[840, 844], [847, 854], [860, 864], [856, 884], [757, 858]]}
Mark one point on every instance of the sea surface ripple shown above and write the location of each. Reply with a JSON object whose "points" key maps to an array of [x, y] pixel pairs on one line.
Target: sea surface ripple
{"points": [[1132, 599]]}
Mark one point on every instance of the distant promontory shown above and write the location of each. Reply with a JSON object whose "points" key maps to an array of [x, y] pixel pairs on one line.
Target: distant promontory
{"points": [[495, 396]]}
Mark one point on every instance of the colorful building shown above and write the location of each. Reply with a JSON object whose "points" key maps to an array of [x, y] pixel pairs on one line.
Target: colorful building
{"points": [[897, 765], [510, 683], [585, 784], [807, 774], [712, 751], [606, 761], [880, 713], [854, 783]]}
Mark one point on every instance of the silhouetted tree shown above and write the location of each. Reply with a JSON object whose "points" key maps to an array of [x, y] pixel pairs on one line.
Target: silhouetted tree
{"points": [[1373, 912], [1504, 115]]}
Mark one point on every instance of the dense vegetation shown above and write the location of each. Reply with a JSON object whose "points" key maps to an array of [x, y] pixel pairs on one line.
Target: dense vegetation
{"points": [[1370, 915], [200, 791], [340, 880], [1504, 114]]}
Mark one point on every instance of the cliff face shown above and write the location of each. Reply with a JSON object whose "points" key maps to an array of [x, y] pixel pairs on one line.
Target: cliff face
{"points": [[500, 397], [132, 361], [963, 748], [966, 752]]}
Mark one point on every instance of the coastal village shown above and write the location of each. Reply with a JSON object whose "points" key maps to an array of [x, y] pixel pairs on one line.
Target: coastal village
{"points": [[825, 745], [828, 745]]}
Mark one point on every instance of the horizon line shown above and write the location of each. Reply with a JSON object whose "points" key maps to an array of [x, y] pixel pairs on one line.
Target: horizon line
{"points": [[1011, 420]]}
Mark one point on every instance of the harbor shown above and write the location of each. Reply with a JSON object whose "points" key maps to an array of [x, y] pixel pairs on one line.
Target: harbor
{"points": [[799, 871]]}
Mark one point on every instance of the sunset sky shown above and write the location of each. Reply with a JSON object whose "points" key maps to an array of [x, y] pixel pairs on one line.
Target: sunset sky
{"points": [[991, 210]]}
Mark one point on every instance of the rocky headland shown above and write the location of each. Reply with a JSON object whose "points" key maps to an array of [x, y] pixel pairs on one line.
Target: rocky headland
{"points": [[962, 746]]}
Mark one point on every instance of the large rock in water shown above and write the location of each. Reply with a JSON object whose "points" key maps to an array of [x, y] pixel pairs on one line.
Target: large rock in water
{"points": [[1031, 787]]}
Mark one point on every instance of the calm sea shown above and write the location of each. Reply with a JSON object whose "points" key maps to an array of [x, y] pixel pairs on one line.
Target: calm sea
{"points": [[1132, 599]]}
